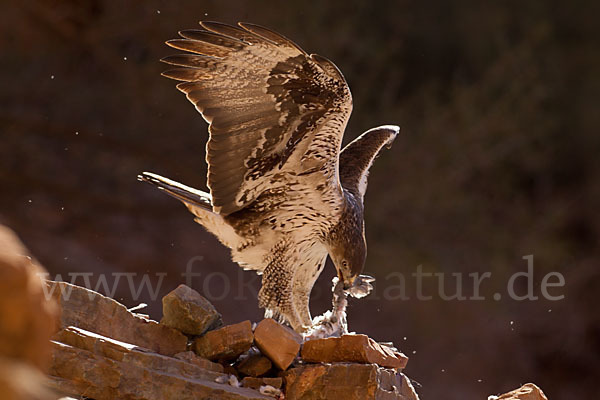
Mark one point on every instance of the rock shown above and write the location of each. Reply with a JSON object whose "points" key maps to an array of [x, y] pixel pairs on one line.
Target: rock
{"points": [[98, 367], [230, 370], [94, 312], [120, 351], [347, 382], [256, 383], [352, 348], [27, 320], [27, 317], [279, 343], [226, 343], [528, 391], [19, 380], [204, 363], [254, 365], [187, 311]]}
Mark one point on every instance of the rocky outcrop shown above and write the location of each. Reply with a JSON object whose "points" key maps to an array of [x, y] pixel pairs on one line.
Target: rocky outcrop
{"points": [[145, 367], [101, 351], [117, 354], [187, 311], [94, 312], [528, 391], [85, 363]]}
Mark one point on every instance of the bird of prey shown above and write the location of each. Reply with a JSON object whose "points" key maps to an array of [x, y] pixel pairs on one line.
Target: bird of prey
{"points": [[282, 195]]}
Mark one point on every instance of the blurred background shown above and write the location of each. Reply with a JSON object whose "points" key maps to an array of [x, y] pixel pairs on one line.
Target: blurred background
{"points": [[498, 159]]}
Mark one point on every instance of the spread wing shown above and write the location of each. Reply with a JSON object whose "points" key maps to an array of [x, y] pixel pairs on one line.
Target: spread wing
{"points": [[358, 156], [266, 101]]}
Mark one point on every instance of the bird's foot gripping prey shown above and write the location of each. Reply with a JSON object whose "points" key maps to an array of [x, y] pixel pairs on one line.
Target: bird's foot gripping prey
{"points": [[333, 323], [283, 195]]}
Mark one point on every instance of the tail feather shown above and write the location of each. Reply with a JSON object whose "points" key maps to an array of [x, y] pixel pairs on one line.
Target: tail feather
{"points": [[181, 192]]}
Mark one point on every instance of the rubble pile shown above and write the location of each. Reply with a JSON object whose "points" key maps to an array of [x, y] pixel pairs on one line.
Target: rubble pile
{"points": [[104, 351]]}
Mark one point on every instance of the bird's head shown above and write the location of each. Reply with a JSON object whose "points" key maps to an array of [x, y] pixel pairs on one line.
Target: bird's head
{"points": [[349, 260], [347, 245]]}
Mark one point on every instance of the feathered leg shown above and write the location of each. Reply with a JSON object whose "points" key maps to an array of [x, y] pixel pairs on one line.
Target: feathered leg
{"points": [[275, 295]]}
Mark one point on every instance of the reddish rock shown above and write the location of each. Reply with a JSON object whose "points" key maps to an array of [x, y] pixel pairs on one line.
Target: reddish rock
{"points": [[22, 381], [279, 343], [528, 391], [204, 363], [226, 343], [256, 383], [255, 365], [346, 382], [352, 348], [90, 365], [94, 312], [27, 317], [27, 320], [187, 311], [230, 370]]}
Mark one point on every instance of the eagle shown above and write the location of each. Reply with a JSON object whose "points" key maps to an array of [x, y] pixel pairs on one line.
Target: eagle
{"points": [[283, 195]]}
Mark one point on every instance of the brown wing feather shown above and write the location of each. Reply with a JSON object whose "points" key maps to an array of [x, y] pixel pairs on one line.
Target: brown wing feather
{"points": [[262, 96], [358, 156]]}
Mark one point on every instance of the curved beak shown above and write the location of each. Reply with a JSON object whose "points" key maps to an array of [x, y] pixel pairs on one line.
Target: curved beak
{"points": [[347, 281]]}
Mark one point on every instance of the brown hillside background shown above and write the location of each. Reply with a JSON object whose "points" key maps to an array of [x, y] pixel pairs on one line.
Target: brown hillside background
{"points": [[498, 159]]}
